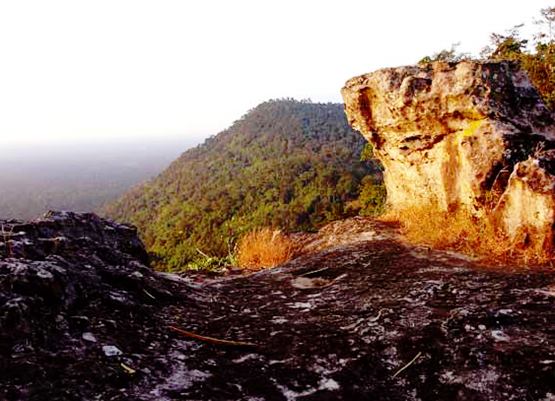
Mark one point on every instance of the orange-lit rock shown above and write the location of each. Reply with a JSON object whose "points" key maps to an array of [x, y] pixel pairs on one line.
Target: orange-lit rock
{"points": [[471, 134]]}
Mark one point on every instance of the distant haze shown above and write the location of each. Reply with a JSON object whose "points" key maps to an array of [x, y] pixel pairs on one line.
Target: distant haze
{"points": [[80, 177], [91, 70], [96, 96], [149, 150]]}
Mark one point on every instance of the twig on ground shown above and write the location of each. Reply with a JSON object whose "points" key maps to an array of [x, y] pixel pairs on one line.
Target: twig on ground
{"points": [[407, 365], [203, 254], [128, 369], [210, 340], [341, 277], [375, 319], [313, 272]]}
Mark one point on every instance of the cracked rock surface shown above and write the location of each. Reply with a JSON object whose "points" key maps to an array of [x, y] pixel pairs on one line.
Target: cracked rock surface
{"points": [[83, 317], [474, 135]]}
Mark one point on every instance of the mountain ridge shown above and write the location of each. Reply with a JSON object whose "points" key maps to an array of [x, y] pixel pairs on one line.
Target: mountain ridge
{"points": [[288, 164]]}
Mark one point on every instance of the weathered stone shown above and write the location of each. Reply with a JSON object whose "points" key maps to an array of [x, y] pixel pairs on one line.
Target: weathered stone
{"points": [[465, 134], [528, 206], [340, 323]]}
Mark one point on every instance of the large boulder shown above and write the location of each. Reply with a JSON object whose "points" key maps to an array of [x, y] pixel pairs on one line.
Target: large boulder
{"points": [[472, 134]]}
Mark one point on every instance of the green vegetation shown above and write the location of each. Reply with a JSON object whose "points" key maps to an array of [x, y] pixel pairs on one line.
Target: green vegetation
{"points": [[451, 55], [539, 62], [286, 164], [372, 195], [535, 55]]}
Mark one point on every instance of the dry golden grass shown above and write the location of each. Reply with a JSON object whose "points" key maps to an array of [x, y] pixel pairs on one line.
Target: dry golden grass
{"points": [[263, 248], [477, 236]]}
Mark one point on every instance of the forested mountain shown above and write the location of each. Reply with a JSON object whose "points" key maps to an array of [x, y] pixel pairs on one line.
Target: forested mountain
{"points": [[287, 164]]}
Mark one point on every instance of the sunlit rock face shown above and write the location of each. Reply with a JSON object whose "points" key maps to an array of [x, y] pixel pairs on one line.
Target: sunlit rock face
{"points": [[470, 134]]}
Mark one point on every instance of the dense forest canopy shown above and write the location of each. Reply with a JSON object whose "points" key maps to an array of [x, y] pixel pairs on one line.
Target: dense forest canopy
{"points": [[287, 164]]}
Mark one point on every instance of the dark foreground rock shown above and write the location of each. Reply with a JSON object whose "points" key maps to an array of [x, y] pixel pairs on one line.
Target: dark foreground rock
{"points": [[82, 317]]}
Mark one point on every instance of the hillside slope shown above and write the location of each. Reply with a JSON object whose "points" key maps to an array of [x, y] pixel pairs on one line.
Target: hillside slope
{"points": [[288, 164]]}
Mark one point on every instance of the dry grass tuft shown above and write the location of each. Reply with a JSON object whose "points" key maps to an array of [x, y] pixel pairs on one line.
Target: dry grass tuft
{"points": [[477, 236], [263, 248]]}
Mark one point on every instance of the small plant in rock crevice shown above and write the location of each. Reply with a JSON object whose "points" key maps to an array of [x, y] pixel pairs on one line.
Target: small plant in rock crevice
{"points": [[6, 234]]}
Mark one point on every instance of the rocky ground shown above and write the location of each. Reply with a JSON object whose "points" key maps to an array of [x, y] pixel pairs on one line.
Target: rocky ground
{"points": [[363, 317]]}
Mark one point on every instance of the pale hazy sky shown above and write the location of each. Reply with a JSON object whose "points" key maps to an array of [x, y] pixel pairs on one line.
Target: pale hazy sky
{"points": [[98, 69]]}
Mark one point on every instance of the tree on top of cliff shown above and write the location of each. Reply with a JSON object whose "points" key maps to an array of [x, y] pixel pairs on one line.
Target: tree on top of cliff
{"points": [[548, 23], [539, 63], [451, 55], [508, 46]]}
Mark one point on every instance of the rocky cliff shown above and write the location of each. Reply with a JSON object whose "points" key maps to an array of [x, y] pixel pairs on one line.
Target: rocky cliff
{"points": [[471, 135], [83, 317]]}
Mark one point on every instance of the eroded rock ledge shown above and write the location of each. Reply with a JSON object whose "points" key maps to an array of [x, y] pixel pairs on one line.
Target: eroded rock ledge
{"points": [[471, 134], [83, 317]]}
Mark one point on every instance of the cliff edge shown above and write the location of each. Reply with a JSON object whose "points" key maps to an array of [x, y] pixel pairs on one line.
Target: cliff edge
{"points": [[365, 316]]}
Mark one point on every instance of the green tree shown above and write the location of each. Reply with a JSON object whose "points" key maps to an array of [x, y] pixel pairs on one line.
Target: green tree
{"points": [[508, 46], [372, 196], [538, 62], [451, 55]]}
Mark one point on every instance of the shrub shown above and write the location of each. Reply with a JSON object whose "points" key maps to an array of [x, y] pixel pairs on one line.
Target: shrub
{"points": [[262, 248], [372, 197], [476, 235], [211, 264]]}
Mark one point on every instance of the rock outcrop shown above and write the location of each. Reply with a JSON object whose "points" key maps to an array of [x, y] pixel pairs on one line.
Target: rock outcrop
{"points": [[474, 135], [83, 317]]}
